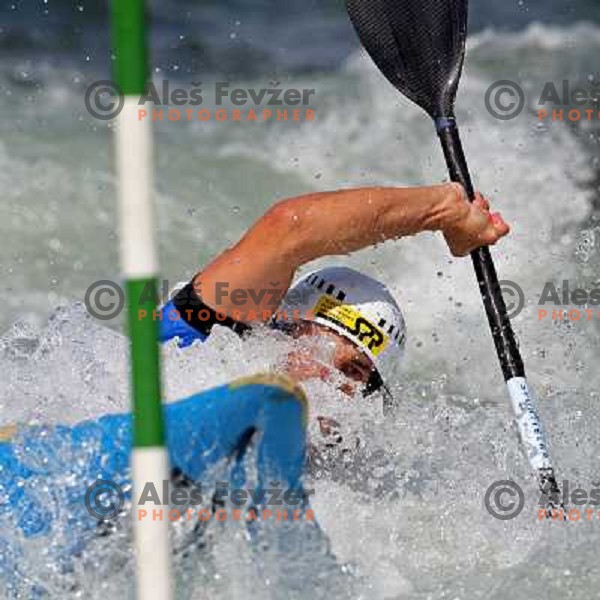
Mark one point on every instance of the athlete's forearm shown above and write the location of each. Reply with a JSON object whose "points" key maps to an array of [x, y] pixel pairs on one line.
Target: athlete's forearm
{"points": [[302, 229], [348, 220]]}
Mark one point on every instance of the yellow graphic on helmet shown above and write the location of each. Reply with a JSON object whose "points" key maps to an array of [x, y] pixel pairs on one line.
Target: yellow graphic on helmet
{"points": [[367, 334]]}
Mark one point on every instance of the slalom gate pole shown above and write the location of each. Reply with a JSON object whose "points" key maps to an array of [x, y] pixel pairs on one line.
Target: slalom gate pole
{"points": [[140, 267]]}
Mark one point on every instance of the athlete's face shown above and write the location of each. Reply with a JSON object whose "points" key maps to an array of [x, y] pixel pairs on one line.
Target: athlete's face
{"points": [[326, 350]]}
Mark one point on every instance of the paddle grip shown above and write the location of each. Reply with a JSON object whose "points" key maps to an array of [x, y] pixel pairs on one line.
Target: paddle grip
{"points": [[495, 308]]}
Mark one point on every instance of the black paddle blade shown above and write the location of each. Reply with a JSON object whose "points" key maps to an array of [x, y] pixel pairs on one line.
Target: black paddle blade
{"points": [[419, 45]]}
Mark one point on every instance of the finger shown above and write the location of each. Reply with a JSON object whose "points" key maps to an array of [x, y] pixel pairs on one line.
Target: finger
{"points": [[481, 202], [495, 232], [500, 225]]}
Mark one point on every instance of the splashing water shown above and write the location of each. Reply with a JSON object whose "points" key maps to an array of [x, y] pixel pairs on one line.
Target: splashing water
{"points": [[400, 492]]}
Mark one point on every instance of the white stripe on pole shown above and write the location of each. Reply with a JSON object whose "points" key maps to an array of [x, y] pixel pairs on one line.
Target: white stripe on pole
{"points": [[152, 547], [134, 172], [528, 422]]}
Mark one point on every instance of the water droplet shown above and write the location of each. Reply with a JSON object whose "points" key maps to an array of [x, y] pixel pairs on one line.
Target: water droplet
{"points": [[585, 245], [55, 244]]}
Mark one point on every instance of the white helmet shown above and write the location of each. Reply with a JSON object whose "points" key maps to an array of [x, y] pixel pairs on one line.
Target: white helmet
{"points": [[354, 305]]}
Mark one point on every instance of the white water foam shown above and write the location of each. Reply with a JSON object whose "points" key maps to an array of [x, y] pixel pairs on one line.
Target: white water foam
{"points": [[404, 509]]}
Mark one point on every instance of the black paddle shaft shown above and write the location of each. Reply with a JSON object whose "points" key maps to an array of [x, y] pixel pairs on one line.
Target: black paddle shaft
{"points": [[419, 45], [495, 308]]}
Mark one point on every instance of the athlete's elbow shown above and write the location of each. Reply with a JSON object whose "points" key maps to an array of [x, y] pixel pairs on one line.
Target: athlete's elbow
{"points": [[286, 224]]}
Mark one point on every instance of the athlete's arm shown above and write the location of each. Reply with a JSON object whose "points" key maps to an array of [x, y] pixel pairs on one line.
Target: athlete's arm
{"points": [[299, 230]]}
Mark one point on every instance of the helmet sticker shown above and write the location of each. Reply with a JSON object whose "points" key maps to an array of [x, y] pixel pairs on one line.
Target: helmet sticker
{"points": [[343, 315]]}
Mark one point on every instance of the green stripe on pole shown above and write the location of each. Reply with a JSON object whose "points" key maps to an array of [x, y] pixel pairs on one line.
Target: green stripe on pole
{"points": [[148, 427], [129, 41], [134, 153]]}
